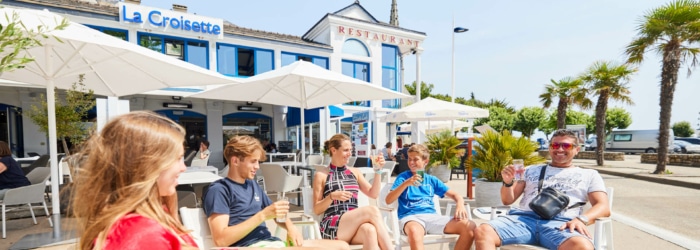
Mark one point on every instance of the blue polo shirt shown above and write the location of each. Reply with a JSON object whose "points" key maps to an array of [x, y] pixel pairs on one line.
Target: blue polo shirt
{"points": [[418, 200], [240, 202]]}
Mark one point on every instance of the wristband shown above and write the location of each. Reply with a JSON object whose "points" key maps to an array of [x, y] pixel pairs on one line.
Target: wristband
{"points": [[380, 171], [509, 184]]}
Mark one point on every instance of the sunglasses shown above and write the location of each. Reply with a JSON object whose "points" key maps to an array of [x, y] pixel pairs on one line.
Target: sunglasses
{"points": [[564, 145]]}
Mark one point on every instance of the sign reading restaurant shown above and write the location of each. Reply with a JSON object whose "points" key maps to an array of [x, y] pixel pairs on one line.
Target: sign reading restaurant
{"points": [[375, 36], [170, 21]]}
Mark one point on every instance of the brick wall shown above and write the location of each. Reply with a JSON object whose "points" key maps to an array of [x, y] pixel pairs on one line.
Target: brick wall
{"points": [[692, 160], [590, 155]]}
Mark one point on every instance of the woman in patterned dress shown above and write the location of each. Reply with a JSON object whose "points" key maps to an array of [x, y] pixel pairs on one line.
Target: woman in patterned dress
{"points": [[335, 194]]}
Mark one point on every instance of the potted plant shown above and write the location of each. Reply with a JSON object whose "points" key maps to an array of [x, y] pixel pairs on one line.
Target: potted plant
{"points": [[494, 152], [444, 154]]}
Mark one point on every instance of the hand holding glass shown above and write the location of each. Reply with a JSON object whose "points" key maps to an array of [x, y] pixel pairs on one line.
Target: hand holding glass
{"points": [[376, 162], [282, 218], [421, 173], [519, 165]]}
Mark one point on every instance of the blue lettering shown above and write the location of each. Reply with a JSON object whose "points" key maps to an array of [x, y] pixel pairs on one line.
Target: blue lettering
{"points": [[135, 19], [216, 30], [187, 25], [175, 23], [151, 15], [195, 26], [164, 22]]}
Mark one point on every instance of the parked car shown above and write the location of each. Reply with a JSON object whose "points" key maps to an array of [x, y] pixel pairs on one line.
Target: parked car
{"points": [[691, 140], [590, 144], [687, 147]]}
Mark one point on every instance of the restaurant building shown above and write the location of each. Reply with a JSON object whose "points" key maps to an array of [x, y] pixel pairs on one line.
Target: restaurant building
{"points": [[351, 41]]}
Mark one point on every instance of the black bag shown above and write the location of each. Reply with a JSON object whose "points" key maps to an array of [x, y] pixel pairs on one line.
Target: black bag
{"points": [[550, 202]]}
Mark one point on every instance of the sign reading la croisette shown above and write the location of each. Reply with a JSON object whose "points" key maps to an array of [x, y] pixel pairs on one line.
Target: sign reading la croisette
{"points": [[170, 21]]}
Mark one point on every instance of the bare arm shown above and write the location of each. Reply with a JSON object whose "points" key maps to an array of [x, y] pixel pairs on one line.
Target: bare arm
{"points": [[320, 203], [510, 194], [393, 195], [225, 235], [2, 167], [599, 206]]}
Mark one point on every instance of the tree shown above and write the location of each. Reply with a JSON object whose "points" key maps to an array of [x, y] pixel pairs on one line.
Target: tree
{"points": [[569, 91], [572, 117], [16, 37], [617, 118], [528, 119], [425, 89], [499, 119], [670, 30], [683, 129], [69, 115], [609, 82]]}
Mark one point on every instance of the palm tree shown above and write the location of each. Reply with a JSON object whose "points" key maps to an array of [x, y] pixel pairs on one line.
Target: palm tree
{"points": [[570, 92], [609, 82], [670, 30]]}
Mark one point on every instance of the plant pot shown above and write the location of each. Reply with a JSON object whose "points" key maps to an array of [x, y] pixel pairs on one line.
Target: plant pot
{"points": [[488, 194], [442, 172]]}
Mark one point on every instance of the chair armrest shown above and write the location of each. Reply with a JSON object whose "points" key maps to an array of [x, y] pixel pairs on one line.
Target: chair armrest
{"points": [[386, 209]]}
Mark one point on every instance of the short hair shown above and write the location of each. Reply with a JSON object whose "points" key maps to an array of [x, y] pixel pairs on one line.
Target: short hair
{"points": [[5, 149], [566, 132], [243, 146], [335, 141], [388, 145], [206, 143], [421, 149]]}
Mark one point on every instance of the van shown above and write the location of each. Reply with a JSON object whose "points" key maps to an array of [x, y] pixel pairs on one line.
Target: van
{"points": [[636, 141]]}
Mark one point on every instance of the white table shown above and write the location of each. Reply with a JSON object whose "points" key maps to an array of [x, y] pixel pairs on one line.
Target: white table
{"points": [[202, 169], [272, 155], [197, 178]]}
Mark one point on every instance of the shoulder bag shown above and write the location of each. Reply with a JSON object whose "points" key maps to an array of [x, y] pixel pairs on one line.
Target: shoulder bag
{"points": [[549, 202]]}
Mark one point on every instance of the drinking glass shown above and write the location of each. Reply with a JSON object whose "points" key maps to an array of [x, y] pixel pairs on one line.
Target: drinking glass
{"points": [[420, 172], [282, 218], [519, 165], [375, 161]]}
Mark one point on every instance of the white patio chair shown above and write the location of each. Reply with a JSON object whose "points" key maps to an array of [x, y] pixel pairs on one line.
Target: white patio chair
{"points": [[390, 214], [602, 234], [388, 169], [314, 160], [224, 172], [277, 180], [196, 220], [34, 193], [187, 199]]}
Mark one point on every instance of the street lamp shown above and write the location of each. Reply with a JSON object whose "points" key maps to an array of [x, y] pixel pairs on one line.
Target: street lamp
{"points": [[454, 31]]}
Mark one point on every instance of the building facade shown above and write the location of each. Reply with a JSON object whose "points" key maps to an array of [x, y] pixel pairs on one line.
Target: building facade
{"points": [[350, 41]]}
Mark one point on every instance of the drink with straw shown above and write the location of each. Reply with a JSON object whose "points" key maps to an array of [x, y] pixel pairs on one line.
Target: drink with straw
{"points": [[519, 165]]}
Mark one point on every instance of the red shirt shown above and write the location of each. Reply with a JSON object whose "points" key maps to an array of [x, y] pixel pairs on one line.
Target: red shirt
{"points": [[134, 231]]}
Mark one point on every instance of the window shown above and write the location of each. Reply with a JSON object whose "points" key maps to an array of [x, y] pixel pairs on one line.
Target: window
{"points": [[390, 74], [121, 34], [289, 58], [357, 70], [355, 47], [192, 51], [622, 137], [243, 61]]}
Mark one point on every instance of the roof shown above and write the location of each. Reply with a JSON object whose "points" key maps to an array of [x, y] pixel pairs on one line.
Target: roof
{"points": [[229, 28]]}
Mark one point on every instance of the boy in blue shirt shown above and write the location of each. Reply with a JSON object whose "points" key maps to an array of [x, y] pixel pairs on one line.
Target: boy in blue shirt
{"points": [[417, 215]]}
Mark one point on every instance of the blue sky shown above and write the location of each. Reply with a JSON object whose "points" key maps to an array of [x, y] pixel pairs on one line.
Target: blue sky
{"points": [[512, 48]]}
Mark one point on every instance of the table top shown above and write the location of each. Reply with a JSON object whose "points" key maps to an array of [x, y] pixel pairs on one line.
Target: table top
{"points": [[197, 177], [202, 169]]}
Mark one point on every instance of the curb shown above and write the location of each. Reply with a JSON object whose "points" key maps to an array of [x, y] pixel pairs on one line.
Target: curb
{"points": [[650, 179]]}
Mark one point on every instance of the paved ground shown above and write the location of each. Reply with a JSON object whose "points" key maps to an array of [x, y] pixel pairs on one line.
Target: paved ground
{"points": [[649, 211]]}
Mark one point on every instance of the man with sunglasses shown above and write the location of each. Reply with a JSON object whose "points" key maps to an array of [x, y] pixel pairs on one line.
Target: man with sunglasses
{"points": [[567, 230]]}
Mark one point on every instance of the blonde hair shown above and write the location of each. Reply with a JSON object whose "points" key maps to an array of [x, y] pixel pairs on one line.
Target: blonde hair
{"points": [[421, 150], [243, 146], [119, 174]]}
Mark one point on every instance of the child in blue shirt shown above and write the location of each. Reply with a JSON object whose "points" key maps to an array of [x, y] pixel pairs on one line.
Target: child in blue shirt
{"points": [[417, 215]]}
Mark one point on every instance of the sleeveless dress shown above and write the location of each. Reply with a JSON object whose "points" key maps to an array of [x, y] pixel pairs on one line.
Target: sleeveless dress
{"points": [[339, 178]]}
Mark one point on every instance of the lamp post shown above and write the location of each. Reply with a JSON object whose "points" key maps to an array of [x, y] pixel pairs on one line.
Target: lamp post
{"points": [[454, 31]]}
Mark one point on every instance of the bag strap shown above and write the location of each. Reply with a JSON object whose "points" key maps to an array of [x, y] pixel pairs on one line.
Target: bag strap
{"points": [[539, 187]]}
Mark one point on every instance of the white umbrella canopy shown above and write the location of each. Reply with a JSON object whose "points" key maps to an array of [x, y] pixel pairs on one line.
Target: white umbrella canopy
{"points": [[301, 84], [438, 125], [431, 109], [112, 67]]}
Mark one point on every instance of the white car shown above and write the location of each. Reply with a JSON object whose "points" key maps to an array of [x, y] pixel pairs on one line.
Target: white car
{"points": [[687, 147]]}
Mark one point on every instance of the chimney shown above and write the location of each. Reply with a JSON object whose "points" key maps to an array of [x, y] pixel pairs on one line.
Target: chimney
{"points": [[133, 1], [180, 8]]}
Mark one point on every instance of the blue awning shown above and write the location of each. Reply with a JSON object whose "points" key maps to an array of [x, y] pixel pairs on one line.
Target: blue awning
{"points": [[336, 111], [310, 115]]}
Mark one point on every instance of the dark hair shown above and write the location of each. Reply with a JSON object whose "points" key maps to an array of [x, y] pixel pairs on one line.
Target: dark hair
{"points": [[5, 149], [206, 143], [335, 142], [566, 132], [387, 145]]}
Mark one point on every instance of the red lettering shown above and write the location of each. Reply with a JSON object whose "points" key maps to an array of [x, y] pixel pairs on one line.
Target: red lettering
{"points": [[392, 39], [416, 43], [376, 37], [350, 31], [367, 34], [409, 42], [358, 32], [401, 41], [341, 30], [384, 37]]}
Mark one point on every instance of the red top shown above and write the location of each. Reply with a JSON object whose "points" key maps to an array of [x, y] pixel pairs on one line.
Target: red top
{"points": [[134, 231]]}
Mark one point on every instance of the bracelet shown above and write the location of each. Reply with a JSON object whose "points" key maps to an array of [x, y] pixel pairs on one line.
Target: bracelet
{"points": [[380, 171], [509, 184]]}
